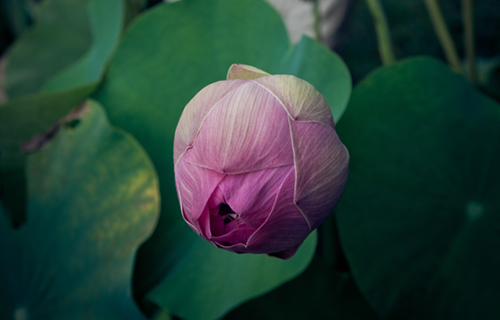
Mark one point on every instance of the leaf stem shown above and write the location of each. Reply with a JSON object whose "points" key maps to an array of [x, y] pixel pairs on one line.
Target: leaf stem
{"points": [[443, 35], [467, 16], [382, 29], [317, 20]]}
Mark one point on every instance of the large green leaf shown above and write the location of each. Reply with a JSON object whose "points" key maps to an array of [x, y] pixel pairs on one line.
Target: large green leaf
{"points": [[106, 23], [190, 44], [60, 37], [93, 198], [20, 120], [204, 282], [420, 218], [69, 46]]}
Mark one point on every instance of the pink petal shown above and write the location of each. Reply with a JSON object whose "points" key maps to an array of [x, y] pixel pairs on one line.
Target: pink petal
{"points": [[252, 196], [194, 186], [196, 111], [245, 72], [321, 164], [236, 239], [246, 131], [299, 98], [285, 227]]}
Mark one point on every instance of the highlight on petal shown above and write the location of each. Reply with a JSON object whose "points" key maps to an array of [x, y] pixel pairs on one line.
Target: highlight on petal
{"points": [[299, 98], [195, 113], [246, 131], [244, 72]]}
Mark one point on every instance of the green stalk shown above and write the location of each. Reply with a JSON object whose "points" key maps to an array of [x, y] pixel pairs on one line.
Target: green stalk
{"points": [[467, 14], [317, 21], [382, 29], [443, 34]]}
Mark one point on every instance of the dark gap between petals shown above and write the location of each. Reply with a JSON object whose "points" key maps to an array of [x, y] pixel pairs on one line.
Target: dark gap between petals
{"points": [[226, 212]]}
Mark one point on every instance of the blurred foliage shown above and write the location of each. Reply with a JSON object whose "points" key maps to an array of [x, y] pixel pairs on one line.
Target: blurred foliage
{"points": [[16, 17], [320, 292], [68, 46], [20, 120], [423, 159], [106, 24], [490, 84], [204, 282], [326, 290], [412, 32], [33, 112], [92, 199], [59, 39]]}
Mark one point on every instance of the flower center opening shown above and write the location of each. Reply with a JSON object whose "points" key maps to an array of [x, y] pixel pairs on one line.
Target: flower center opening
{"points": [[227, 213]]}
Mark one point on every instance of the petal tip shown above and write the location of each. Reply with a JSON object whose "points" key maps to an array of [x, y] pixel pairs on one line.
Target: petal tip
{"points": [[245, 72]]}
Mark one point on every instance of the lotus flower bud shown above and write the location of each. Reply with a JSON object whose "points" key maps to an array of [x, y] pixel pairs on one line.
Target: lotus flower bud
{"points": [[258, 164]]}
